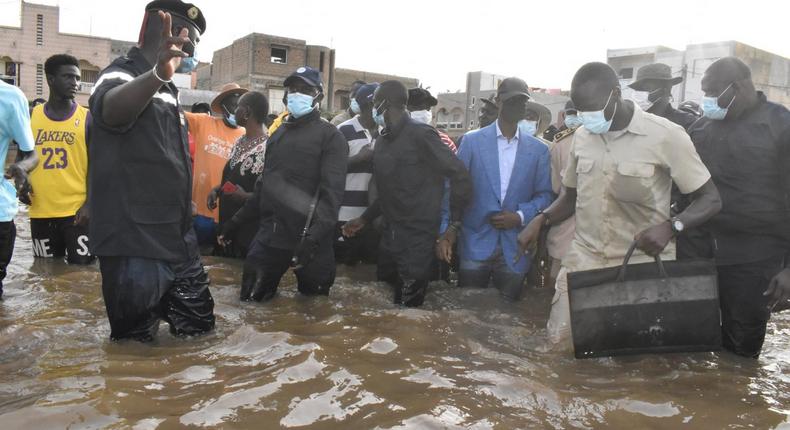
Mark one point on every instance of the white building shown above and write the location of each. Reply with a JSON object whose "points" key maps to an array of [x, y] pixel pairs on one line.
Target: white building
{"points": [[770, 72]]}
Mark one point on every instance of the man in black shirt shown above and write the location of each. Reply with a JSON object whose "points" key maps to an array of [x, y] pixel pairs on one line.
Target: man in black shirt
{"points": [[140, 184], [410, 165], [653, 91], [744, 140], [297, 197]]}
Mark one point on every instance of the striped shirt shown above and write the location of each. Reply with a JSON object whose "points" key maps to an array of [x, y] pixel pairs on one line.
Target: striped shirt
{"points": [[355, 198], [447, 141]]}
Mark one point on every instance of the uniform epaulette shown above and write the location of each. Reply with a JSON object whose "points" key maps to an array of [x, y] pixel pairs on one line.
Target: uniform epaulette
{"points": [[564, 133]]}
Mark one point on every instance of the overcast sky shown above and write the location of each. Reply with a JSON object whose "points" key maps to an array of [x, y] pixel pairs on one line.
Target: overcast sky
{"points": [[438, 41]]}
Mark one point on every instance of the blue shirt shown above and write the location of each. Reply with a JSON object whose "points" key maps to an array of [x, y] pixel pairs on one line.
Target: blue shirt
{"points": [[14, 125]]}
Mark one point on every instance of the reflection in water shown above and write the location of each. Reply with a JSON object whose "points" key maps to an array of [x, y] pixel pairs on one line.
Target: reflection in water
{"points": [[466, 360]]}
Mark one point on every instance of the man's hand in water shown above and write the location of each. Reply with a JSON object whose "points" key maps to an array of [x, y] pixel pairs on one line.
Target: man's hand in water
{"points": [[351, 228], [778, 291]]}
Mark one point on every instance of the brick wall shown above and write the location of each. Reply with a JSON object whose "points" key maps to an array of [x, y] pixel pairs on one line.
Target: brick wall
{"points": [[20, 45]]}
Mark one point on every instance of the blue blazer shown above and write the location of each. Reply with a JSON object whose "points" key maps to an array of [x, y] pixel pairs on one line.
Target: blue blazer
{"points": [[529, 191]]}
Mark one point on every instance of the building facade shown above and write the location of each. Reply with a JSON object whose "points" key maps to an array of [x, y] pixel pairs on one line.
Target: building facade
{"points": [[24, 49], [457, 113], [261, 62], [770, 72]]}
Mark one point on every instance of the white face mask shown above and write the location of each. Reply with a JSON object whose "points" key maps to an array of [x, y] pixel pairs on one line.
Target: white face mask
{"points": [[423, 116]]}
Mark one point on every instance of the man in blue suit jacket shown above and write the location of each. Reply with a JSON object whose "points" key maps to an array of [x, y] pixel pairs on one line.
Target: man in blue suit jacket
{"points": [[511, 173]]}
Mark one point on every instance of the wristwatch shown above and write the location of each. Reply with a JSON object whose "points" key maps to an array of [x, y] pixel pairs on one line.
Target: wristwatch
{"points": [[547, 220], [677, 225]]}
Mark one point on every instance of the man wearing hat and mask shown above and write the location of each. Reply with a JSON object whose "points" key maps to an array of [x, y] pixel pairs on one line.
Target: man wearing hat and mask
{"points": [[140, 183], [214, 139], [361, 132], [653, 91], [297, 197], [489, 112], [420, 103], [353, 108], [511, 174]]}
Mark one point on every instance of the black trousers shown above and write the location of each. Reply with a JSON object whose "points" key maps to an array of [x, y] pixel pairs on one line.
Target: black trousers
{"points": [[265, 266], [362, 248], [744, 311], [408, 264], [7, 239], [139, 292]]}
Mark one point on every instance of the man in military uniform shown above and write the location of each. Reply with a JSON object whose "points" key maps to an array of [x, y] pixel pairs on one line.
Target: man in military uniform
{"points": [[140, 183], [617, 182], [559, 237], [653, 91]]}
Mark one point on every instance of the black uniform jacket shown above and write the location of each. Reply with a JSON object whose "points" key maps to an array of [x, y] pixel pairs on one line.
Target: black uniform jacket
{"points": [[140, 176], [410, 165], [303, 156]]}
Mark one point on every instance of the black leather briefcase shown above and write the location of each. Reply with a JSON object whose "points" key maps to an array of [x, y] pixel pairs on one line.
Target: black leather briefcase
{"points": [[656, 307]]}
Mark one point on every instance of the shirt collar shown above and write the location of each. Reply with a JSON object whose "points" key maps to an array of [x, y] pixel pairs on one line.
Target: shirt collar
{"points": [[499, 132], [637, 123]]}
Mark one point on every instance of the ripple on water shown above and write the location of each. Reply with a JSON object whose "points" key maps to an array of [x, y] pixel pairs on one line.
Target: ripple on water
{"points": [[380, 345]]}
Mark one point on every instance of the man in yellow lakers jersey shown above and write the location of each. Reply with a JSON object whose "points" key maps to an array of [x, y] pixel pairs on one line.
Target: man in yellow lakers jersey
{"points": [[58, 213]]}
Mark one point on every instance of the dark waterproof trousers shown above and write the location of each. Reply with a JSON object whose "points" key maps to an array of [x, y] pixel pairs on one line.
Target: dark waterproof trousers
{"points": [[744, 308], [265, 266], [7, 239], [408, 266], [138, 292]]}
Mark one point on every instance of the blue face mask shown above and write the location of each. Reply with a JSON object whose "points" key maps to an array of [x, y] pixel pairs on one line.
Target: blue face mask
{"points": [[527, 127], [379, 117], [572, 121], [188, 64], [711, 109], [300, 104], [355, 107], [595, 121], [230, 117]]}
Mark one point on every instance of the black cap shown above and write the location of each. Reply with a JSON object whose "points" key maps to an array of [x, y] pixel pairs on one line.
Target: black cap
{"points": [[420, 97], [511, 87], [187, 11], [308, 74]]}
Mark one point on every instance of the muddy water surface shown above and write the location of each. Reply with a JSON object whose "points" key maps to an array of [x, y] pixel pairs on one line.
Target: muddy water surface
{"points": [[353, 361]]}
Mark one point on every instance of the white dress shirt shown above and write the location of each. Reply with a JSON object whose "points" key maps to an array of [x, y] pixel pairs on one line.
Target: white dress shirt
{"points": [[507, 159]]}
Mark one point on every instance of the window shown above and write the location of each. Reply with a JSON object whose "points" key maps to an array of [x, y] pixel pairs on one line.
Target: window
{"points": [[627, 73], [88, 79], [89, 76], [39, 79], [10, 73], [39, 30], [321, 62], [279, 55]]}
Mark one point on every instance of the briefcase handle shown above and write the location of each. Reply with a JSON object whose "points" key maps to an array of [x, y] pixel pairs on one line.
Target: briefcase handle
{"points": [[659, 263]]}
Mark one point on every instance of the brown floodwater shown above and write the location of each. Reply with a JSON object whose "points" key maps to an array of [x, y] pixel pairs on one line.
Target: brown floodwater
{"points": [[465, 360]]}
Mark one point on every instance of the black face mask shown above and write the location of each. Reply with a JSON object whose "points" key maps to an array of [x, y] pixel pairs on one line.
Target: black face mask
{"points": [[513, 112]]}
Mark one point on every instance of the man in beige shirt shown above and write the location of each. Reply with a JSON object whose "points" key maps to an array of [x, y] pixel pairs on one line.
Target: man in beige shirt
{"points": [[618, 182]]}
